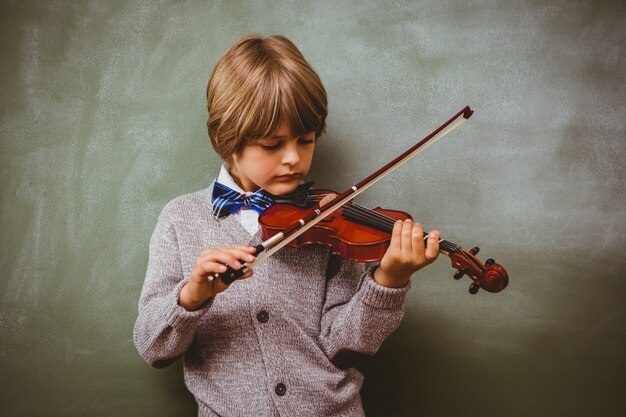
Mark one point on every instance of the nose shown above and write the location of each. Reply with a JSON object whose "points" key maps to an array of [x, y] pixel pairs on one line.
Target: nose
{"points": [[291, 155]]}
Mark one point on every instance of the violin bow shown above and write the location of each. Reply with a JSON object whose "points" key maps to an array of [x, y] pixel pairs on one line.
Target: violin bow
{"points": [[282, 239]]}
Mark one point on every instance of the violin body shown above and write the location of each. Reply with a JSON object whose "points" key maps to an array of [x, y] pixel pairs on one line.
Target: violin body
{"points": [[351, 240], [363, 235]]}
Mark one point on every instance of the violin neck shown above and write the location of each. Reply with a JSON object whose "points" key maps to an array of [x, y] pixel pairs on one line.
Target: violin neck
{"points": [[385, 224]]}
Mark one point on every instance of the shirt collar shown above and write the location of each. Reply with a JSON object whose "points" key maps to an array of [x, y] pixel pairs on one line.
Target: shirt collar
{"points": [[225, 178]]}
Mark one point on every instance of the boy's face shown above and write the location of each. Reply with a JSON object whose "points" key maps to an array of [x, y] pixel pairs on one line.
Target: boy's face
{"points": [[277, 163]]}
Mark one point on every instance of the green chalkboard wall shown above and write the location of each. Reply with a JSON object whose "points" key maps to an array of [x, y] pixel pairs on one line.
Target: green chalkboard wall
{"points": [[103, 121]]}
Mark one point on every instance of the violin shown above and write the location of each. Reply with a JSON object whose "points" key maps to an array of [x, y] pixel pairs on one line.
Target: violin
{"points": [[361, 234]]}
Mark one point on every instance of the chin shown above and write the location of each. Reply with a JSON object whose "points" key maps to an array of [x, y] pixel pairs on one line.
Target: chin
{"points": [[283, 188]]}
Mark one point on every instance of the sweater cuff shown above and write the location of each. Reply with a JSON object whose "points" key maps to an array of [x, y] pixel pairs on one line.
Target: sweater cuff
{"points": [[180, 318], [379, 296]]}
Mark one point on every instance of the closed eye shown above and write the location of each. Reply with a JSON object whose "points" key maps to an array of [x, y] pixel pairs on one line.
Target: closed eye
{"points": [[271, 147]]}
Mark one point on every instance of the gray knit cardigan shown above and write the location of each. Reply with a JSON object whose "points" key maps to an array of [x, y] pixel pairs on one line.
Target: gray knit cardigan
{"points": [[268, 345]]}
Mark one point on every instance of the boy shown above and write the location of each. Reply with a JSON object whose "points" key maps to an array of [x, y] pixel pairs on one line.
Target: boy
{"points": [[276, 344]]}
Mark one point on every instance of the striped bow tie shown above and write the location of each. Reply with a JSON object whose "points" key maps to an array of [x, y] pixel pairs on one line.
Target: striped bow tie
{"points": [[227, 201]]}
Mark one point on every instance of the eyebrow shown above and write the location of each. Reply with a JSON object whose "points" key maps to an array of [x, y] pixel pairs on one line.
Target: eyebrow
{"points": [[282, 137], [286, 137]]}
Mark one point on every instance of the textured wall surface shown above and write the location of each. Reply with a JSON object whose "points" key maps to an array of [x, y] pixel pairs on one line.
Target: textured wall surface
{"points": [[103, 121]]}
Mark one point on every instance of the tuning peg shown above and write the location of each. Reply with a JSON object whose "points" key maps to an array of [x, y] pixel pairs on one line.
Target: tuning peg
{"points": [[459, 274], [474, 250], [489, 262], [474, 287]]}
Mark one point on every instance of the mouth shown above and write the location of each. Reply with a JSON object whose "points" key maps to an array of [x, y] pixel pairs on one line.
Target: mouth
{"points": [[288, 177]]}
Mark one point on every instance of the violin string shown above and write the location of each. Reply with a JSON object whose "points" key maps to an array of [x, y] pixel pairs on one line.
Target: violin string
{"points": [[373, 217], [389, 222], [370, 216]]}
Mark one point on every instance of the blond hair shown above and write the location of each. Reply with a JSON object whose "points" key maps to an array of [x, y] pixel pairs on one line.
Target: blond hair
{"points": [[257, 84]]}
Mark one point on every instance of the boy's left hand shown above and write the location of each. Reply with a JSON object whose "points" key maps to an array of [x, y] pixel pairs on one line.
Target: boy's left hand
{"points": [[407, 253]]}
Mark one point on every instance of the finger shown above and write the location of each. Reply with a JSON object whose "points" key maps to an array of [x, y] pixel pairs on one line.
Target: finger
{"points": [[247, 248], [242, 254], [407, 246], [202, 270], [418, 241], [236, 254], [432, 249], [396, 238], [221, 258]]}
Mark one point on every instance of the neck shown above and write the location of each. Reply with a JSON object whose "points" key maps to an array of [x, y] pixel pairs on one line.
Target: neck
{"points": [[247, 186]]}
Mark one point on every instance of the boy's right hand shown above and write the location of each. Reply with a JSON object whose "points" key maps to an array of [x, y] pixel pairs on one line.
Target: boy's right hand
{"points": [[215, 260]]}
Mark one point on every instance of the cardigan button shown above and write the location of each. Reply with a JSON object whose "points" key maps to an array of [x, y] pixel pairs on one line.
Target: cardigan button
{"points": [[281, 389], [263, 316]]}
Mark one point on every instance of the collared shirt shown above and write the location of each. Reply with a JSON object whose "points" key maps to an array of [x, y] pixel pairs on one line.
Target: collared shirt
{"points": [[248, 217]]}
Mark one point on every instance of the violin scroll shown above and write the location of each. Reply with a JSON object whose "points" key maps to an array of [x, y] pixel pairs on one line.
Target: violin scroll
{"points": [[490, 276]]}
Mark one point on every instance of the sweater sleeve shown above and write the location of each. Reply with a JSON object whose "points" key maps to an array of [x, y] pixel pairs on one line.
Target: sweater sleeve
{"points": [[164, 330], [359, 314]]}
